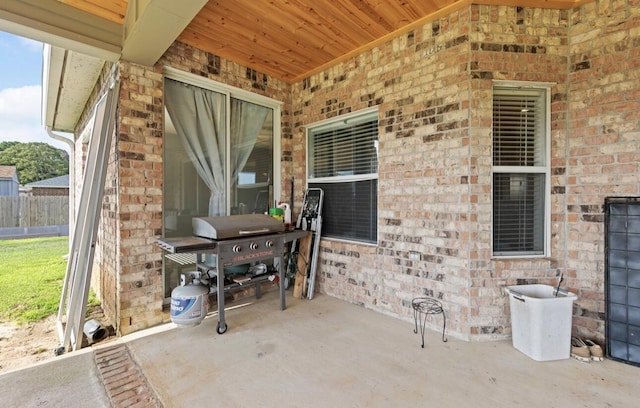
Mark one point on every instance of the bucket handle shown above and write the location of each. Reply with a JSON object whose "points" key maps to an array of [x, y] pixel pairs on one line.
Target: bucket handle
{"points": [[563, 292], [516, 295]]}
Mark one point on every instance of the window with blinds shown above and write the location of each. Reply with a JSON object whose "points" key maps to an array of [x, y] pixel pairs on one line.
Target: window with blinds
{"points": [[343, 161], [520, 171]]}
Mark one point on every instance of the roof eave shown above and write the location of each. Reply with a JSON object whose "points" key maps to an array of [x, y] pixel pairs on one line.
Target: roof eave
{"points": [[68, 79]]}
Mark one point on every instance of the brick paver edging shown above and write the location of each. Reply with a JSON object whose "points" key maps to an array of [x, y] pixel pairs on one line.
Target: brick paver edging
{"points": [[123, 380]]}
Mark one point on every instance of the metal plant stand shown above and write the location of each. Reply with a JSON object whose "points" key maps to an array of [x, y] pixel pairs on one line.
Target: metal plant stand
{"points": [[424, 306]]}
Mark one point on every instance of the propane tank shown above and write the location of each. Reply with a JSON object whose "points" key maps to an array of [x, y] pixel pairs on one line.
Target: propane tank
{"points": [[189, 301]]}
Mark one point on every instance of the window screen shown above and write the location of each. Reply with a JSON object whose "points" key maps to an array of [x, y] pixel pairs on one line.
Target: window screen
{"points": [[520, 170], [343, 161]]}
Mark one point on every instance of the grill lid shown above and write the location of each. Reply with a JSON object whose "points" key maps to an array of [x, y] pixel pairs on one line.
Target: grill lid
{"points": [[235, 226]]}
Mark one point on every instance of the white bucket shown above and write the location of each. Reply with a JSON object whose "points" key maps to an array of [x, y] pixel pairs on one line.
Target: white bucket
{"points": [[541, 321]]}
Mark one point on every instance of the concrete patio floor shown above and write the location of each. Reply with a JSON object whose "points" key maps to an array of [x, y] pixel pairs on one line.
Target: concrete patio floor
{"points": [[318, 353]]}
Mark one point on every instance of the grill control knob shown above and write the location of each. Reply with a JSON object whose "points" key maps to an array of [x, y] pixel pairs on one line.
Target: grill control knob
{"points": [[253, 246], [269, 243], [237, 249]]}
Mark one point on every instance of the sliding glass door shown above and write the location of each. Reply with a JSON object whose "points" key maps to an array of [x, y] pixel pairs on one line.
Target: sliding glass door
{"points": [[219, 159], [251, 157]]}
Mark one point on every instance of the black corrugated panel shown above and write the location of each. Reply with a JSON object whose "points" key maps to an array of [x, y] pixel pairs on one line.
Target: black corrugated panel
{"points": [[622, 278]]}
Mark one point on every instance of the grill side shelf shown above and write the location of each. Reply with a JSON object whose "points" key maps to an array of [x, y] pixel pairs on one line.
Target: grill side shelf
{"points": [[186, 245]]}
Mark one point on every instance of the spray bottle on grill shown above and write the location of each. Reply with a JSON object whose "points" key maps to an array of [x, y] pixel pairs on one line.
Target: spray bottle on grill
{"points": [[287, 215]]}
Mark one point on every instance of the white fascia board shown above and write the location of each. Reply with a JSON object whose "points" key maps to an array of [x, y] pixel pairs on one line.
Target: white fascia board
{"points": [[52, 63], [52, 22]]}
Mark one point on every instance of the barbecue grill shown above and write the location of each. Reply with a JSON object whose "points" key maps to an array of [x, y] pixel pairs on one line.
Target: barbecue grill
{"points": [[235, 240]]}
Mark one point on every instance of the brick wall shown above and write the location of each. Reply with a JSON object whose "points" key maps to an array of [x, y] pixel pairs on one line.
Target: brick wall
{"points": [[125, 274], [132, 209], [420, 83], [433, 89], [514, 44], [137, 184], [603, 141]]}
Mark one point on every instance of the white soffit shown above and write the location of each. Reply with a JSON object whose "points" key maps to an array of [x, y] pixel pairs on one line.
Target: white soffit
{"points": [[68, 80]]}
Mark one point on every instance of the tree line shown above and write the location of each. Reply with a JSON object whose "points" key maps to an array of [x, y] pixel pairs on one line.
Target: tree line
{"points": [[34, 161]]}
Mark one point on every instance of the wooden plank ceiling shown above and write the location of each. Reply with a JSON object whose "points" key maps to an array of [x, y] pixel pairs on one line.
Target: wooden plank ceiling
{"points": [[292, 39]]}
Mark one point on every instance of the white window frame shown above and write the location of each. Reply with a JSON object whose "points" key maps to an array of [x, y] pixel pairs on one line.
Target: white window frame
{"points": [[546, 169], [327, 124], [247, 96]]}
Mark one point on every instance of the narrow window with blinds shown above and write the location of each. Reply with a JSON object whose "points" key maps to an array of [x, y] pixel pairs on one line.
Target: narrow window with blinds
{"points": [[343, 161], [520, 171]]}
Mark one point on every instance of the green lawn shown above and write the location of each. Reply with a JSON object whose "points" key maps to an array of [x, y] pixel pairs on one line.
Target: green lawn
{"points": [[31, 276]]}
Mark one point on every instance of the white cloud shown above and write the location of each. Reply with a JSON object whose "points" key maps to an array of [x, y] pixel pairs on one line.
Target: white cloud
{"points": [[20, 117], [18, 104]]}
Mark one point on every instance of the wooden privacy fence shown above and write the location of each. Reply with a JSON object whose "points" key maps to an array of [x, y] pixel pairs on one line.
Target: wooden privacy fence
{"points": [[33, 211]]}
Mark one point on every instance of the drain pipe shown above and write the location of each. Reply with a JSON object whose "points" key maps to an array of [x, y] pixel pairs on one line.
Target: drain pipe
{"points": [[72, 193], [94, 331]]}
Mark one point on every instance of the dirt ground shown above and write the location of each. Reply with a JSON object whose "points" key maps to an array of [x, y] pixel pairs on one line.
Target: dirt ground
{"points": [[25, 345]]}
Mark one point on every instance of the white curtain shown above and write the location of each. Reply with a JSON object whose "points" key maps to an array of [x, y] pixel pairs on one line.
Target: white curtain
{"points": [[247, 120], [198, 116]]}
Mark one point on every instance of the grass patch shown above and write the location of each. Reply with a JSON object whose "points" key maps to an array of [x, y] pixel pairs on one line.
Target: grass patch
{"points": [[31, 276]]}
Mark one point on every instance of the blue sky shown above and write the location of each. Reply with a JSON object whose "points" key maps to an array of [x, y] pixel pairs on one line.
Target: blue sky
{"points": [[20, 91]]}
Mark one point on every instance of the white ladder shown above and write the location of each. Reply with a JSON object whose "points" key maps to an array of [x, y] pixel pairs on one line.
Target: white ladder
{"points": [[77, 280]]}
